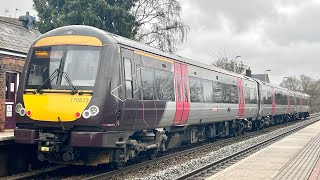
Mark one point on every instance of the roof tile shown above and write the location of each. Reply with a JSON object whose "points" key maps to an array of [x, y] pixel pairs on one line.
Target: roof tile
{"points": [[15, 37]]}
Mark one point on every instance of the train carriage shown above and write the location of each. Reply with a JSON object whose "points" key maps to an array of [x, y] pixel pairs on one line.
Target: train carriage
{"points": [[89, 97], [302, 104]]}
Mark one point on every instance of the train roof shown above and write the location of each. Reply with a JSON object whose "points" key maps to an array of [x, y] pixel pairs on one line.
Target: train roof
{"points": [[110, 38], [141, 46]]}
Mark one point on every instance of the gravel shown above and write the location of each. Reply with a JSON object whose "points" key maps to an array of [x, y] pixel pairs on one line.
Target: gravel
{"points": [[180, 169]]}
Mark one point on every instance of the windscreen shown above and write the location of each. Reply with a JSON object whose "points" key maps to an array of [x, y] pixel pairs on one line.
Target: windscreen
{"points": [[43, 63], [81, 66], [50, 67]]}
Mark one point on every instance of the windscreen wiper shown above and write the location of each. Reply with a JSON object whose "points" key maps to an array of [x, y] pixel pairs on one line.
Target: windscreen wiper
{"points": [[54, 74], [65, 75]]}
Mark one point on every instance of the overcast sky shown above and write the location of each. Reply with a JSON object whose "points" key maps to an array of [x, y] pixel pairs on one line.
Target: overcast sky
{"points": [[280, 35]]}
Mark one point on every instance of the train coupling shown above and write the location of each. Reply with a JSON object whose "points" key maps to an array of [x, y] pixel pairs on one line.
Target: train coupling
{"points": [[48, 142]]}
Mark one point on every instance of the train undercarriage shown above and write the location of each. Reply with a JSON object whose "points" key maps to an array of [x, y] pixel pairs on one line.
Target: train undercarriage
{"points": [[57, 146]]}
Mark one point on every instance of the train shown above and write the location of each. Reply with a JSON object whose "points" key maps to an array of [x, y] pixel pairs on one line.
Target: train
{"points": [[89, 97]]}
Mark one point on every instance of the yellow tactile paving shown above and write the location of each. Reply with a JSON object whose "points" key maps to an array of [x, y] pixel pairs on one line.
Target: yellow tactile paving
{"points": [[283, 155]]}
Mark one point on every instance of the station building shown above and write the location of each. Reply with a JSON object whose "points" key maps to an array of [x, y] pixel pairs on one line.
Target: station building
{"points": [[16, 36]]}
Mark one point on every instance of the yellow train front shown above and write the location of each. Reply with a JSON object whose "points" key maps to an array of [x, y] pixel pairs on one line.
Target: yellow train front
{"points": [[64, 104]]}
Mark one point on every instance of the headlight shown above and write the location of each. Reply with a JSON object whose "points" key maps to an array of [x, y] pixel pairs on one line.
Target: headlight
{"points": [[94, 110], [86, 114], [18, 108], [22, 112]]}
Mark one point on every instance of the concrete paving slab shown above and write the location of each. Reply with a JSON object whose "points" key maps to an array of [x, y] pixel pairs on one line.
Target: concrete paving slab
{"points": [[290, 158], [5, 136]]}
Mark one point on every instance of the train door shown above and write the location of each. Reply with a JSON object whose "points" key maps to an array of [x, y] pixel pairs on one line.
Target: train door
{"points": [[288, 103], [129, 103], [274, 105], [241, 109], [182, 94], [300, 103], [11, 89]]}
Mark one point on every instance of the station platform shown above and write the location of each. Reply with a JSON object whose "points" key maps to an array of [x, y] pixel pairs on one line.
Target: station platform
{"points": [[6, 136], [294, 157]]}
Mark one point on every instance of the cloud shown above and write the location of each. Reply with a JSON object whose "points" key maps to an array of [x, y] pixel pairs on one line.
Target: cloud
{"points": [[241, 14], [296, 27], [280, 35]]}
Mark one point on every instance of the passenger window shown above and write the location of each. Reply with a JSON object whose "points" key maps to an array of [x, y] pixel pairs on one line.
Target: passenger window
{"points": [[128, 78], [269, 97], [129, 89], [186, 89], [234, 94], [246, 95], [217, 92], [196, 90], [291, 100], [226, 88], [253, 96], [207, 91], [147, 81], [128, 70], [164, 85]]}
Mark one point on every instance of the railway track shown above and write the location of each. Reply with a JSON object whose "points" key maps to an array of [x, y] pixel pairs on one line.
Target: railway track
{"points": [[172, 154], [215, 167], [139, 167], [36, 174]]}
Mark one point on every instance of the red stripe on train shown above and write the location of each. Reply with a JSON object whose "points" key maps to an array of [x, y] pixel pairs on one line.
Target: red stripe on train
{"points": [[241, 109], [186, 94], [177, 85]]}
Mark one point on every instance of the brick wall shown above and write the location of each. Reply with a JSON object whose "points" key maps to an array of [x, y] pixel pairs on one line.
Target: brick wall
{"points": [[7, 63]]}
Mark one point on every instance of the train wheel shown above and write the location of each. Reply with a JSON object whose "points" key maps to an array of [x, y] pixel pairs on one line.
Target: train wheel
{"points": [[152, 154], [117, 165], [305, 116], [163, 146]]}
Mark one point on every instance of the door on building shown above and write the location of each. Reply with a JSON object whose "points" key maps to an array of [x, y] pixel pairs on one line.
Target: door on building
{"points": [[11, 89]]}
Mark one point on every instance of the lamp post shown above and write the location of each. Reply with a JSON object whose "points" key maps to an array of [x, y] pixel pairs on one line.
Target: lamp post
{"points": [[265, 75]]}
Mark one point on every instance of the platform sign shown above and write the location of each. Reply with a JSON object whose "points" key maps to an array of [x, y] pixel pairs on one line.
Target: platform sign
{"points": [[9, 111]]}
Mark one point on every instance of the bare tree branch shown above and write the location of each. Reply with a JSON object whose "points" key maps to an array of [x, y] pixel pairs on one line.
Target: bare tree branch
{"points": [[230, 64], [306, 85], [160, 24]]}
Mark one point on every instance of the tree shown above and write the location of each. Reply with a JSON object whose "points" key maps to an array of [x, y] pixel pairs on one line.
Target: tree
{"points": [[156, 23], [109, 15], [305, 85], [160, 24], [292, 83], [231, 64]]}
